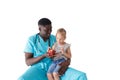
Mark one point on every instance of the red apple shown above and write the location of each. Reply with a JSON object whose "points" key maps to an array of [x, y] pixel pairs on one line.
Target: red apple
{"points": [[51, 52]]}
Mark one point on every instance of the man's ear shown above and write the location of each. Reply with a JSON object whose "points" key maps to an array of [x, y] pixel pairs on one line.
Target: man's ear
{"points": [[39, 28]]}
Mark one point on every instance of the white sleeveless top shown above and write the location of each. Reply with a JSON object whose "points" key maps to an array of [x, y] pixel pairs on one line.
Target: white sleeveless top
{"points": [[58, 50]]}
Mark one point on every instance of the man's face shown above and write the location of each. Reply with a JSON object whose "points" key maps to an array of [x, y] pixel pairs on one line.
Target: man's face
{"points": [[45, 31]]}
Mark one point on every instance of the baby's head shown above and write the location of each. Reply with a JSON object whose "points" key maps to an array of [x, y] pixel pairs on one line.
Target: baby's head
{"points": [[61, 35]]}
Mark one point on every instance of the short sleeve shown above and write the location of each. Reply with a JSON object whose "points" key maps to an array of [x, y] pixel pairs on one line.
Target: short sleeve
{"points": [[29, 46], [67, 46]]}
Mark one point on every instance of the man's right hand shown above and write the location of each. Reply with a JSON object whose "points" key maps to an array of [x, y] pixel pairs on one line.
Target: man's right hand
{"points": [[46, 55]]}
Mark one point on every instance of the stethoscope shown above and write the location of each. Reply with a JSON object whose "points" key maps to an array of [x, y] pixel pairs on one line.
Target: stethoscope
{"points": [[37, 37]]}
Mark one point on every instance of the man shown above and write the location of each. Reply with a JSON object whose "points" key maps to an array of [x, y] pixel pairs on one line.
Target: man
{"points": [[36, 55]]}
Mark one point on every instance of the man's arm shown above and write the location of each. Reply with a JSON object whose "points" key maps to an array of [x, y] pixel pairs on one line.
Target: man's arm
{"points": [[30, 60]]}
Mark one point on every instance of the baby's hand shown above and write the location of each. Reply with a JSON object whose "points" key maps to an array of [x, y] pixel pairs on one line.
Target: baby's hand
{"points": [[62, 50]]}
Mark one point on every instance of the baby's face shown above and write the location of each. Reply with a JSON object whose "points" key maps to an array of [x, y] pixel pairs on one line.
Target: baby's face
{"points": [[60, 39]]}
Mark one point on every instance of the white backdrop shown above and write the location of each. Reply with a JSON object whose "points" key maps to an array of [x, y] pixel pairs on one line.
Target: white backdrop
{"points": [[93, 29]]}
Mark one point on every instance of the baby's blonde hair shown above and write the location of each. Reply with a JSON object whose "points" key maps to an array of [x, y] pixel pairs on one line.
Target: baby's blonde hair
{"points": [[61, 31]]}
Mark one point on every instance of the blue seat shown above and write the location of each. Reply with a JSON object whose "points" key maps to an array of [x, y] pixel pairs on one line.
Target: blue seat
{"points": [[34, 73], [73, 74]]}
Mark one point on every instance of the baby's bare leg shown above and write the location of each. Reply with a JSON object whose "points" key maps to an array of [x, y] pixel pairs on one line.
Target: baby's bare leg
{"points": [[50, 76], [56, 76]]}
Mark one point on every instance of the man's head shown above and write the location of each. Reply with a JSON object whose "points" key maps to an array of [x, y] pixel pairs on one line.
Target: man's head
{"points": [[44, 21], [45, 27]]}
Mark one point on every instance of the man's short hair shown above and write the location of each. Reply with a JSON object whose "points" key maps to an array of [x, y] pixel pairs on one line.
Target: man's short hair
{"points": [[44, 21]]}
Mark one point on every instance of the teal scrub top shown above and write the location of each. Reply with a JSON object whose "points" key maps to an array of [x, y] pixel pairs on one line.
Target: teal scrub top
{"points": [[37, 46]]}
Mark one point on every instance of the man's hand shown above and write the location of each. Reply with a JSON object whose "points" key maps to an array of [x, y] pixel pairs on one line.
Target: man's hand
{"points": [[46, 55]]}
